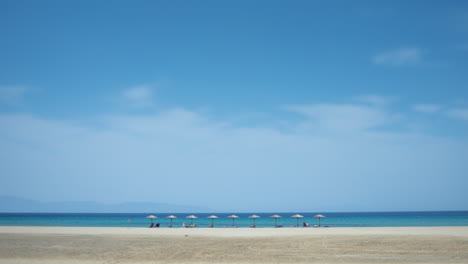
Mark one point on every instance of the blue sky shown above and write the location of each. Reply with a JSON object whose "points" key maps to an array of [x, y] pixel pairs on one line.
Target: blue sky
{"points": [[236, 105]]}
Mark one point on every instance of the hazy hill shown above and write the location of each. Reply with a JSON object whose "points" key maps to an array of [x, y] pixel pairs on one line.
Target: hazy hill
{"points": [[15, 204]]}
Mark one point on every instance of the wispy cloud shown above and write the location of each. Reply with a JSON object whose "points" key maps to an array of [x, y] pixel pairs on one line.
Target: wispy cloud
{"points": [[139, 96], [344, 118], [444, 111], [427, 108], [12, 94], [376, 12], [458, 113], [462, 46], [461, 20], [375, 100], [399, 57]]}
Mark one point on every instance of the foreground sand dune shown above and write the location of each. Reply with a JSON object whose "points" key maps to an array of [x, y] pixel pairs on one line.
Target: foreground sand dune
{"points": [[226, 245]]}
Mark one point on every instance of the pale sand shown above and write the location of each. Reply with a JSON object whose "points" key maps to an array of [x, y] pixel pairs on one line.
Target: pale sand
{"points": [[90, 245]]}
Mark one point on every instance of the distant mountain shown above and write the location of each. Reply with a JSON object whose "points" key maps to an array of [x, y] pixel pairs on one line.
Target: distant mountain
{"points": [[19, 205]]}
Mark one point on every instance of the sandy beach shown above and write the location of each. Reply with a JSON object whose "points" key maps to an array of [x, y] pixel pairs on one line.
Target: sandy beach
{"points": [[233, 245]]}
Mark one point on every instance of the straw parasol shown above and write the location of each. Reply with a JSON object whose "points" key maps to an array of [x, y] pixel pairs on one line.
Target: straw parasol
{"points": [[276, 217], [151, 217], [212, 219], [254, 217], [319, 216], [233, 217], [191, 217], [171, 217], [297, 216]]}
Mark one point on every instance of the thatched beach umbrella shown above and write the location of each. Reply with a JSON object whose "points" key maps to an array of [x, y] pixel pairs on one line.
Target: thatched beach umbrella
{"points": [[297, 216], [233, 218], [254, 217], [276, 217], [212, 219], [191, 217], [171, 217], [151, 217], [319, 216]]}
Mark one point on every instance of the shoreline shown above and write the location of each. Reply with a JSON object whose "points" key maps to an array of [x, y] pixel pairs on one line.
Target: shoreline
{"points": [[238, 232]]}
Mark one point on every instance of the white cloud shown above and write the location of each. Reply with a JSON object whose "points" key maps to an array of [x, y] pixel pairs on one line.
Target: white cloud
{"points": [[376, 100], [12, 94], [399, 57], [343, 118], [459, 113], [139, 96], [427, 108]]}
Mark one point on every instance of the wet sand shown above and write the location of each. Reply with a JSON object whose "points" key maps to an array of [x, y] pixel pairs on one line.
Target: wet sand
{"points": [[230, 245]]}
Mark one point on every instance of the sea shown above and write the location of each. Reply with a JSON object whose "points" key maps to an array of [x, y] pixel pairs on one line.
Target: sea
{"points": [[332, 219]]}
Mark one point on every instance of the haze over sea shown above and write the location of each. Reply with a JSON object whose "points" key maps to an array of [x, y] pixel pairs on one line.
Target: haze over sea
{"points": [[333, 219]]}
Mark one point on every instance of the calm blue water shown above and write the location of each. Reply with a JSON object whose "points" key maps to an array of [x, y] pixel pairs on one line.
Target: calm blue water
{"points": [[458, 218]]}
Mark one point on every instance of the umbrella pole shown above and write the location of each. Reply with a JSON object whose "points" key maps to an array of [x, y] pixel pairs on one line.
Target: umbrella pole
{"points": [[212, 221], [232, 222], [319, 221], [171, 222], [254, 222], [297, 222], [275, 222]]}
